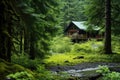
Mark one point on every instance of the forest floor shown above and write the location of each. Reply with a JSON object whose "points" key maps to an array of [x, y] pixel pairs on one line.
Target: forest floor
{"points": [[65, 62], [70, 59]]}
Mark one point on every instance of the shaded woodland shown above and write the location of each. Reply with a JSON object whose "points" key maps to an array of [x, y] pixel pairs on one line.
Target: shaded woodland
{"points": [[33, 30]]}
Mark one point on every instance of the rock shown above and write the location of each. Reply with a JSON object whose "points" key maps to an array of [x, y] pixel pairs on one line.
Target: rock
{"points": [[79, 57], [66, 61], [71, 78], [95, 77], [58, 64], [57, 71], [117, 68]]}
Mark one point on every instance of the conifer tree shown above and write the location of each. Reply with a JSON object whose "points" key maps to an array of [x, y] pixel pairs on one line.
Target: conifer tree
{"points": [[107, 44]]}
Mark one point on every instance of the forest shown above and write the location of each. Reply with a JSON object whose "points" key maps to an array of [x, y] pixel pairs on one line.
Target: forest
{"points": [[35, 46]]}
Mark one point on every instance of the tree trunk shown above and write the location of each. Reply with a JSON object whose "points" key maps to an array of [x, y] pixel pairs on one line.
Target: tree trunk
{"points": [[32, 46], [9, 45], [107, 45], [4, 33], [6, 25], [21, 46], [26, 40]]}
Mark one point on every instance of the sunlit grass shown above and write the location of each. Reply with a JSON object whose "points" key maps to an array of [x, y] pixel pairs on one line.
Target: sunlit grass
{"points": [[89, 51], [68, 58], [60, 59]]}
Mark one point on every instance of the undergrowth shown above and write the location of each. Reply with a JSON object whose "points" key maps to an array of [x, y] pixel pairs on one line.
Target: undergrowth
{"points": [[40, 74], [24, 60], [66, 53], [71, 58], [107, 74]]}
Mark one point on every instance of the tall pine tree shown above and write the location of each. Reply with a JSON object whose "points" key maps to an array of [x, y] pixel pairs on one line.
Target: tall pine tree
{"points": [[107, 44]]}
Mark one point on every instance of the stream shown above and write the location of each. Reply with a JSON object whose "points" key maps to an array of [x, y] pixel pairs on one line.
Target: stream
{"points": [[84, 71]]}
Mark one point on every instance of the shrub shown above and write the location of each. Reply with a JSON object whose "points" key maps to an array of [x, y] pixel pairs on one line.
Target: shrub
{"points": [[87, 47], [24, 75], [61, 45], [107, 74], [116, 44], [24, 60], [43, 74]]}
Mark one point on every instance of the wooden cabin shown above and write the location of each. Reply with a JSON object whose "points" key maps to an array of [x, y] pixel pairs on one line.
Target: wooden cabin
{"points": [[77, 31]]}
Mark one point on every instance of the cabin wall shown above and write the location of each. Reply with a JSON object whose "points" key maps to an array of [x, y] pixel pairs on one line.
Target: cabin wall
{"points": [[77, 34]]}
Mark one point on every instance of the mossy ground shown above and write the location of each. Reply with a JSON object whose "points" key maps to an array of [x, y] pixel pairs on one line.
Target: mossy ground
{"points": [[71, 58], [89, 51], [7, 68]]}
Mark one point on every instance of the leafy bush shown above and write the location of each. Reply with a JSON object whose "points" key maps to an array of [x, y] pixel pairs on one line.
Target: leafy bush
{"points": [[61, 45], [24, 75], [40, 73], [43, 74], [103, 70], [24, 60], [107, 74], [116, 44], [87, 47]]}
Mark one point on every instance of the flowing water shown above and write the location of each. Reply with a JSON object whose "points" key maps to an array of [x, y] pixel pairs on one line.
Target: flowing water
{"points": [[83, 72], [87, 73]]}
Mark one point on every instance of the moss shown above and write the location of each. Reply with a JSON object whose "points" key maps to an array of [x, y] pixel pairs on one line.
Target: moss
{"points": [[8, 68]]}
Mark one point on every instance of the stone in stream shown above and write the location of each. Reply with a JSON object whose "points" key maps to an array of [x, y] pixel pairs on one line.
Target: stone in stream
{"points": [[117, 68]]}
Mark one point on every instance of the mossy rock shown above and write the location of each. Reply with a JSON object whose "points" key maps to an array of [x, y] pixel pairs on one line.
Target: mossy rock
{"points": [[7, 68]]}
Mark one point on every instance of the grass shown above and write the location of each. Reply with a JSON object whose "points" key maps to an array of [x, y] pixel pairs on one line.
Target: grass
{"points": [[89, 51], [68, 58]]}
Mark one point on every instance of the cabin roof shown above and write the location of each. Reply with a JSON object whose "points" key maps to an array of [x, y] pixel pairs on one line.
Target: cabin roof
{"points": [[81, 25], [78, 24]]}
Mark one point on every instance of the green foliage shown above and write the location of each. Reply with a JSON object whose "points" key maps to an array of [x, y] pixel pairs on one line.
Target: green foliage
{"points": [[60, 59], [73, 58], [107, 74], [116, 44], [103, 69], [7, 68], [73, 11], [25, 61], [91, 51], [39, 24], [17, 72], [94, 8], [87, 47], [94, 11], [64, 45], [61, 44], [24, 75], [43, 74]]}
